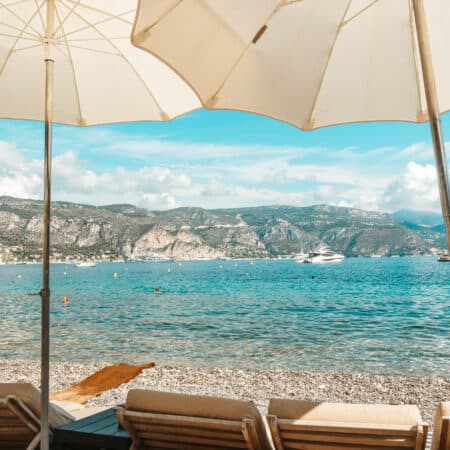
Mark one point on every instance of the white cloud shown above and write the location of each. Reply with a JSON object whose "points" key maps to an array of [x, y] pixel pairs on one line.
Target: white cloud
{"points": [[218, 176], [416, 188]]}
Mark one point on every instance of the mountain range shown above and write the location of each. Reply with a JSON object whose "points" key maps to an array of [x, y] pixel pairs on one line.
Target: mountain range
{"points": [[126, 231]]}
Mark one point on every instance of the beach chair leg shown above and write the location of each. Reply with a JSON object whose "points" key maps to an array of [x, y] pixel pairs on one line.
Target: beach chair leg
{"points": [[275, 432], [35, 442]]}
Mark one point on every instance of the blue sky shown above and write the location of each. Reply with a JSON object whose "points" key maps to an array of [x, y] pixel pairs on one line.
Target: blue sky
{"points": [[226, 159]]}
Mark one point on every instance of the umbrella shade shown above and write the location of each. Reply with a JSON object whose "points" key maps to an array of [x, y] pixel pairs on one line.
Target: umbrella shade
{"points": [[311, 63], [99, 76]]}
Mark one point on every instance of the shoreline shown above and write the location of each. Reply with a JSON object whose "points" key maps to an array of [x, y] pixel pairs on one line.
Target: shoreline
{"points": [[256, 385]]}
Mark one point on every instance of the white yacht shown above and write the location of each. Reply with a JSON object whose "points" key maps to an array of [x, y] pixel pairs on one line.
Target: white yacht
{"points": [[156, 257], [81, 264], [300, 257], [323, 255]]}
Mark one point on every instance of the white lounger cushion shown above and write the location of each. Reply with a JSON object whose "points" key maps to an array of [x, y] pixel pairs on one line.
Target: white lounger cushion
{"points": [[345, 412], [27, 393], [196, 406]]}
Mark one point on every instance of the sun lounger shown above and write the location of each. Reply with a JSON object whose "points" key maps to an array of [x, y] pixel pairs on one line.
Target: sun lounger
{"points": [[20, 410], [441, 432], [306, 425], [156, 420]]}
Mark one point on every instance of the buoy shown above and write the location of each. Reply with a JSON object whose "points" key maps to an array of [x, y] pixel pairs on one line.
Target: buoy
{"points": [[19, 276], [220, 266], [126, 268], [251, 263], [169, 270], [180, 265], [115, 275], [65, 300], [65, 274]]}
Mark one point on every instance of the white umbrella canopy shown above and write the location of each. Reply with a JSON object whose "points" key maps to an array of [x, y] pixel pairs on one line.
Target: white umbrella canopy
{"points": [[310, 63], [71, 61], [99, 76]]}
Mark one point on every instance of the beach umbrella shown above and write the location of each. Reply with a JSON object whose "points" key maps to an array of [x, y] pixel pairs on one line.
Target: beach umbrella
{"points": [[72, 62], [311, 63]]}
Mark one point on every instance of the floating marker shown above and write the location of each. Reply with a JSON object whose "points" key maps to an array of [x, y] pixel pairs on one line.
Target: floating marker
{"points": [[126, 268], [179, 264], [65, 274], [220, 266], [169, 270], [115, 275], [19, 276]]}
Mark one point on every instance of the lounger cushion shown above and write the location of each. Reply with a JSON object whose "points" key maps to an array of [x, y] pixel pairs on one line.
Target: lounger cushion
{"points": [[32, 398], [443, 410], [196, 406], [345, 412]]}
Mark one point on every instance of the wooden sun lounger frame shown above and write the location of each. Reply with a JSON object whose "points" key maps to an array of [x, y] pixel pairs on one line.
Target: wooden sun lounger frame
{"points": [[444, 441], [160, 431], [19, 426], [320, 435]]}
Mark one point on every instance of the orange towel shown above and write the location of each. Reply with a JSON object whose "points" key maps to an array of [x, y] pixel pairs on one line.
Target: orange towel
{"points": [[105, 379]]}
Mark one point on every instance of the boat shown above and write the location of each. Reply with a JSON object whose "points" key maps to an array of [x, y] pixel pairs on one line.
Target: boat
{"points": [[323, 255], [156, 257], [300, 257], [85, 264]]}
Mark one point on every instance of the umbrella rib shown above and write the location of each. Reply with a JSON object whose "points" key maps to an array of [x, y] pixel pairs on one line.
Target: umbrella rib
{"points": [[162, 16], [412, 26], [26, 48], [147, 88], [11, 50], [99, 23], [61, 26], [360, 12], [105, 13], [27, 24], [309, 123], [61, 22], [254, 40], [7, 25], [23, 38], [40, 15]]}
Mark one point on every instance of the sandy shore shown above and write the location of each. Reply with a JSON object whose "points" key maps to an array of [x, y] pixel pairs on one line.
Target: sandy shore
{"points": [[256, 385]]}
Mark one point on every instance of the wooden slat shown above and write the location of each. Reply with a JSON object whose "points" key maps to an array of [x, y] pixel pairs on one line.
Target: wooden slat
{"points": [[327, 446], [206, 441], [151, 444], [346, 427], [135, 416], [350, 438], [444, 442], [189, 431]]}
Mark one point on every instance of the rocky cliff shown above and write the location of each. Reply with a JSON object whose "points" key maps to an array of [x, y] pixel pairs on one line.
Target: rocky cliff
{"points": [[115, 231]]}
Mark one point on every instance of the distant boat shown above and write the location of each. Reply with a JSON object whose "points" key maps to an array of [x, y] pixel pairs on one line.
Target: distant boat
{"points": [[323, 256], [376, 256], [300, 257], [85, 264], [158, 258]]}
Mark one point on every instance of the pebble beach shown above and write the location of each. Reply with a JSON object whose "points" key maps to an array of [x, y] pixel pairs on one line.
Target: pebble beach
{"points": [[256, 385]]}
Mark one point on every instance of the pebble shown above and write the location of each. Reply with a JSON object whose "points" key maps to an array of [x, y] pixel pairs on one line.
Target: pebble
{"points": [[256, 385]]}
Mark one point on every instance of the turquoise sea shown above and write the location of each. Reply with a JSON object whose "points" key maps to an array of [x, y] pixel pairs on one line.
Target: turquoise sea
{"points": [[371, 315]]}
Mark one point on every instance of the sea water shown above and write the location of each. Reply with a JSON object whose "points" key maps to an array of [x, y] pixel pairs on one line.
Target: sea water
{"points": [[370, 315]]}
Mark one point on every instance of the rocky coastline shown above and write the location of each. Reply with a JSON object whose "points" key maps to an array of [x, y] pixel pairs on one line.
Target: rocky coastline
{"points": [[256, 385]]}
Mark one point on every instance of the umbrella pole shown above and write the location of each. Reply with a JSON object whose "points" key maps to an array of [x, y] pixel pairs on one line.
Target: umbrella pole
{"points": [[45, 292], [433, 113]]}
